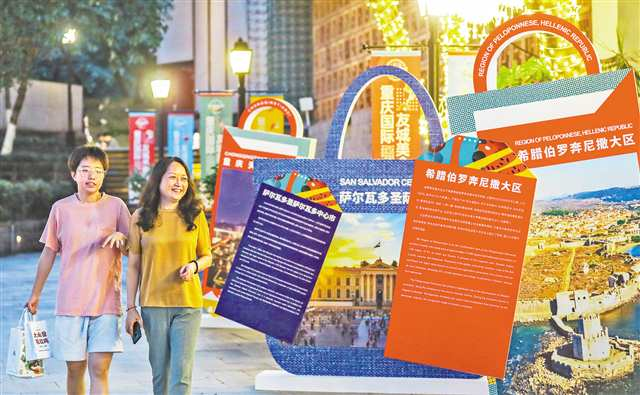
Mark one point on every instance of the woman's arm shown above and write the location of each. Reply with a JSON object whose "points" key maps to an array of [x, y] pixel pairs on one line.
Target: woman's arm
{"points": [[190, 269], [133, 273], [203, 250], [133, 281]]}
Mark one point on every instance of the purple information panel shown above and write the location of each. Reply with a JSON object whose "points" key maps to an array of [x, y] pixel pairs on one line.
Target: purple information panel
{"points": [[277, 263]]}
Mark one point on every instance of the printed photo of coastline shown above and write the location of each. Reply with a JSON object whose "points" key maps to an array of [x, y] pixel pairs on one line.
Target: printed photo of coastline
{"points": [[584, 223], [577, 320]]}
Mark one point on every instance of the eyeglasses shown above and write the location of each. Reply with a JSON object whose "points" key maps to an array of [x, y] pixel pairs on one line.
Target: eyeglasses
{"points": [[85, 171]]}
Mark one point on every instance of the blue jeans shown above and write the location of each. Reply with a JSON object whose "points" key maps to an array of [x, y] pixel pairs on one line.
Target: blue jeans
{"points": [[172, 333]]}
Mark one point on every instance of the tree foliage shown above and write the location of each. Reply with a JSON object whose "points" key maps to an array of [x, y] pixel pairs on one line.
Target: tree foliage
{"points": [[530, 72], [115, 38], [624, 60], [25, 35]]}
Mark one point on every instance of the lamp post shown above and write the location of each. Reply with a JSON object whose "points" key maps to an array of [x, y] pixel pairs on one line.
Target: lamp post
{"points": [[471, 11], [68, 38], [240, 59], [160, 89], [434, 57]]}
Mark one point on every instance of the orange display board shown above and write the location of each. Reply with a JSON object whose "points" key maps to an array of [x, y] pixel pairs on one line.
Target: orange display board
{"points": [[460, 266], [395, 111], [610, 130]]}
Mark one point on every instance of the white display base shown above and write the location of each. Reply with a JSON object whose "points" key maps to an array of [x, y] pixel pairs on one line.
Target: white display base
{"points": [[279, 380], [209, 321]]}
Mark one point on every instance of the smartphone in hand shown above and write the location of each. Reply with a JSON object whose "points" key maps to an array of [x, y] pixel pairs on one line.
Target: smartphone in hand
{"points": [[137, 333]]}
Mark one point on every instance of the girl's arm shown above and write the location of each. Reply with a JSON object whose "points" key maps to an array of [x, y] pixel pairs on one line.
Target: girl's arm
{"points": [[45, 263]]}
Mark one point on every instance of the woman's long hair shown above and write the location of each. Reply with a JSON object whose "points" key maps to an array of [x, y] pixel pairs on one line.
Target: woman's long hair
{"points": [[188, 207]]}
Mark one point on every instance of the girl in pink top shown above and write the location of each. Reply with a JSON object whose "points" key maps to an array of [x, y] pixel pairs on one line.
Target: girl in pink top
{"points": [[89, 230]]}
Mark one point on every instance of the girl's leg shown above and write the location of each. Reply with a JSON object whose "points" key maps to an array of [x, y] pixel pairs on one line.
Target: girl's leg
{"points": [[99, 363], [75, 377], [183, 336], [104, 338], [156, 329]]}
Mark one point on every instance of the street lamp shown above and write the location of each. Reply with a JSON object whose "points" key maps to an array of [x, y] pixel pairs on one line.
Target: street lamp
{"points": [[240, 59], [68, 38], [160, 89]]}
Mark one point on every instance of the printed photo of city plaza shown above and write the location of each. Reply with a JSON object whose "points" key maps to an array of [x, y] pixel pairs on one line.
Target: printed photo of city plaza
{"points": [[130, 131]]}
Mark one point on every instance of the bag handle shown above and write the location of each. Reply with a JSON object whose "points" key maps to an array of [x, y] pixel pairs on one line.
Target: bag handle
{"points": [[25, 316], [485, 72], [335, 139], [290, 112]]}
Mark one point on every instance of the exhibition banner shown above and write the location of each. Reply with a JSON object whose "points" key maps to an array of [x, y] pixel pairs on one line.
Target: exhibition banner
{"points": [[277, 263], [215, 109], [395, 120], [142, 129], [235, 194], [180, 127], [459, 72], [461, 258]]}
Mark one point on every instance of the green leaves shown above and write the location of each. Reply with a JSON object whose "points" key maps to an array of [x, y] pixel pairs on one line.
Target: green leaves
{"points": [[30, 199], [530, 72], [115, 37], [623, 59]]}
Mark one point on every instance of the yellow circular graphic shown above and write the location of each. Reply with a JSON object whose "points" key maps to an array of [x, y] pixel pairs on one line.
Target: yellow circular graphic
{"points": [[399, 64]]}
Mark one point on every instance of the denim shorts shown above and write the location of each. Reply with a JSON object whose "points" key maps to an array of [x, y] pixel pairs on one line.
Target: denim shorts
{"points": [[74, 337]]}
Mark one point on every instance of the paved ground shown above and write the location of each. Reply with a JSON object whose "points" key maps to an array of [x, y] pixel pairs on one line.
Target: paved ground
{"points": [[227, 360]]}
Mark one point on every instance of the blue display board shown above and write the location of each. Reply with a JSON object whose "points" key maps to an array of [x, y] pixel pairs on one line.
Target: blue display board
{"points": [[180, 127], [277, 263]]}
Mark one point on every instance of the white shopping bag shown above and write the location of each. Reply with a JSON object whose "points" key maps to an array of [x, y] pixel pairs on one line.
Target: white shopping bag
{"points": [[36, 337], [17, 364]]}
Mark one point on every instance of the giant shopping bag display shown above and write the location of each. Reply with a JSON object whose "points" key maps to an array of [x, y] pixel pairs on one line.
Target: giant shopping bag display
{"points": [[360, 267]]}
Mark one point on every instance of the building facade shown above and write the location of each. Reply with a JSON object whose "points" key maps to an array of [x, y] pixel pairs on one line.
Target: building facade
{"points": [[289, 49], [371, 284], [340, 29], [591, 343], [257, 37]]}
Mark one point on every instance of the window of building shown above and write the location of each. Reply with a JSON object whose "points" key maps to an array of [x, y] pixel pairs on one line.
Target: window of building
{"points": [[328, 294], [357, 281], [348, 281], [348, 294], [338, 294], [338, 282], [319, 293]]}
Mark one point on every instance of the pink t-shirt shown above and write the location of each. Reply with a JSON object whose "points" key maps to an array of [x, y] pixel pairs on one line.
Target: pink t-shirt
{"points": [[90, 276]]}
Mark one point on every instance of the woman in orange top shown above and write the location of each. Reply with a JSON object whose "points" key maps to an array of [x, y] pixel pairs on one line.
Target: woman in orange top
{"points": [[169, 245]]}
